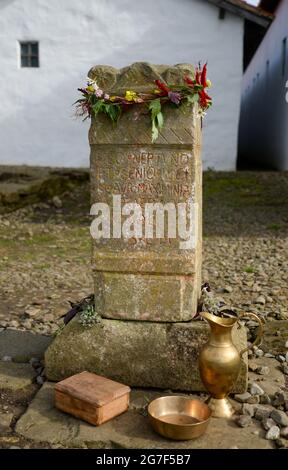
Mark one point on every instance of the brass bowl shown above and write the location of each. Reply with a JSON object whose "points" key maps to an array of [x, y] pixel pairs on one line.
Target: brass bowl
{"points": [[178, 417]]}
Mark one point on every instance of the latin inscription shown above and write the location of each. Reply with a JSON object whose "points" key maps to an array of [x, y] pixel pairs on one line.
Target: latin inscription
{"points": [[147, 176]]}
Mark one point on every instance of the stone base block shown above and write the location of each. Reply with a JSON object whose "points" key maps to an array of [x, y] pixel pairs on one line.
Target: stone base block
{"points": [[145, 297], [139, 354]]}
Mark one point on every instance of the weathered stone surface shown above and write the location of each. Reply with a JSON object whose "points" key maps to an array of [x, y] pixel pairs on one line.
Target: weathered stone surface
{"points": [[5, 421], [23, 344], [142, 354], [15, 377], [144, 277], [42, 422]]}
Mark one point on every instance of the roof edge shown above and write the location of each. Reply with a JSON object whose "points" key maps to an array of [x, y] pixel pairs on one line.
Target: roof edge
{"points": [[249, 12]]}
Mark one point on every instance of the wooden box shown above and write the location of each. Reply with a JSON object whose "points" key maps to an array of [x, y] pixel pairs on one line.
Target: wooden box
{"points": [[91, 397]]}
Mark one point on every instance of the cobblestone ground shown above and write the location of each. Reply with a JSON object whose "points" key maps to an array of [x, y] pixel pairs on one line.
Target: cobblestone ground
{"points": [[45, 250], [45, 263]]}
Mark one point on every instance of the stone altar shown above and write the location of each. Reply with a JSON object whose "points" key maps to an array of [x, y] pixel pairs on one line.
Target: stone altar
{"points": [[146, 288]]}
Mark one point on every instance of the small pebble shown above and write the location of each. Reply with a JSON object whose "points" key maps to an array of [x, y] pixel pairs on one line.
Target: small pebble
{"points": [[281, 443], [284, 432], [254, 400], [262, 413], [279, 399], [260, 300], [267, 423], [273, 433], [265, 399], [269, 355], [6, 359], [243, 397], [253, 366], [243, 421], [281, 358], [285, 369], [255, 389], [263, 370], [248, 410], [228, 289], [40, 380], [57, 202], [259, 353], [286, 344], [280, 418]]}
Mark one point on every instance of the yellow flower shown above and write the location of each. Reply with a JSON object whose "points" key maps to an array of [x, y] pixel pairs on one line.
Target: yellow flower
{"points": [[208, 83], [130, 95], [113, 98], [90, 88]]}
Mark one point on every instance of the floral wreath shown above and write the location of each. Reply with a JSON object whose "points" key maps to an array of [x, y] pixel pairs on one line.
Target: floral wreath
{"points": [[95, 100]]}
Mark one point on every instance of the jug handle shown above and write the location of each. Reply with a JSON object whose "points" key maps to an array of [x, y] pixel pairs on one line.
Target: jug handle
{"points": [[260, 331]]}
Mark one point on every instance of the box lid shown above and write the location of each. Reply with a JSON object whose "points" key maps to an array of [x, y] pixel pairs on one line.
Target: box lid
{"points": [[92, 388]]}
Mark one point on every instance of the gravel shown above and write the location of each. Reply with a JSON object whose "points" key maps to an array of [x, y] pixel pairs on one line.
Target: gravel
{"points": [[40, 380], [255, 389], [261, 413], [243, 397], [263, 370], [268, 423], [280, 417], [273, 433], [265, 399], [243, 421], [284, 432], [279, 399], [248, 410]]}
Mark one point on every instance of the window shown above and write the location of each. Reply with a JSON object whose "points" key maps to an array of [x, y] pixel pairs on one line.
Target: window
{"points": [[222, 13], [284, 56], [29, 54]]}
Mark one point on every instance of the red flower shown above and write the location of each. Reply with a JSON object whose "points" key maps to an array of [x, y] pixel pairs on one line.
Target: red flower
{"points": [[164, 88], [204, 76], [189, 81], [205, 99]]}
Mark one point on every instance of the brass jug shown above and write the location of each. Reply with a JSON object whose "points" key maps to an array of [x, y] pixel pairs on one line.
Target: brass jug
{"points": [[219, 362]]}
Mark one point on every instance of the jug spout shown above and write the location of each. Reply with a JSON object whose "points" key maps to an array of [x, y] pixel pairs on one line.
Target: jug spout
{"points": [[214, 320]]}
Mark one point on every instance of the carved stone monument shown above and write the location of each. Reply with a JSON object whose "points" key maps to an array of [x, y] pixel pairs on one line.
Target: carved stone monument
{"points": [[147, 271], [151, 279]]}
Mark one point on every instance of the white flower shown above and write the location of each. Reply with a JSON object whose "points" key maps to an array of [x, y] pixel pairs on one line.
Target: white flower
{"points": [[92, 82], [201, 113], [98, 92], [106, 96]]}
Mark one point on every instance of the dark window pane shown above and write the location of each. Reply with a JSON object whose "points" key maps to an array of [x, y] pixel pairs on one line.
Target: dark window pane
{"points": [[24, 49], [34, 62], [24, 61], [34, 48], [29, 54]]}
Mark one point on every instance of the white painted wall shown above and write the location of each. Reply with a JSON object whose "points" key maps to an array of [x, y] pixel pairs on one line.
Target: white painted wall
{"points": [[36, 118], [263, 135]]}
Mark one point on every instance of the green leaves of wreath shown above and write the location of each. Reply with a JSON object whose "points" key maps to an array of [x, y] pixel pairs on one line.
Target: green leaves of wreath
{"points": [[156, 118]]}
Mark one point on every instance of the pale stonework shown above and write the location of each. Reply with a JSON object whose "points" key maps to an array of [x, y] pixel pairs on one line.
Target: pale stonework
{"points": [[139, 278]]}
